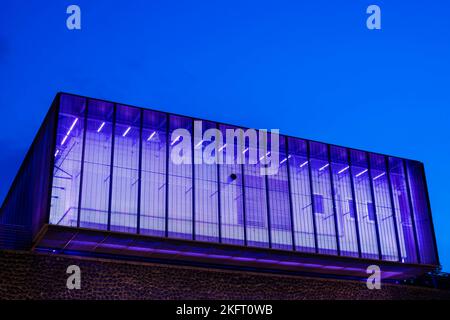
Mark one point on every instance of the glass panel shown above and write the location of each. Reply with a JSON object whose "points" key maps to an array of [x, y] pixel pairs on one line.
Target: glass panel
{"points": [[153, 186], [206, 188], [344, 202], [125, 170], [403, 211], [363, 194], [425, 237], [301, 196], [66, 174], [255, 202], [324, 214], [96, 166], [180, 178], [383, 208], [231, 196], [280, 212]]}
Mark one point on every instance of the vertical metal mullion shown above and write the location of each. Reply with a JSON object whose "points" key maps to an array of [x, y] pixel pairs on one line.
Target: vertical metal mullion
{"points": [[166, 228], [53, 142], [193, 179], [394, 215], [355, 207], [372, 195], [411, 210], [219, 203], [244, 213], [269, 224], [311, 191], [141, 125], [111, 171], [333, 196], [291, 206], [83, 151], [430, 217]]}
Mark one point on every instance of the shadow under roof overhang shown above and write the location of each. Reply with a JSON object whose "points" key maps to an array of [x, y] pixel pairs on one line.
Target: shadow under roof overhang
{"points": [[115, 245]]}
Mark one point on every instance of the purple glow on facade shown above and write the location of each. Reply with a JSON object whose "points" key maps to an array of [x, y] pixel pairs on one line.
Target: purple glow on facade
{"points": [[105, 182]]}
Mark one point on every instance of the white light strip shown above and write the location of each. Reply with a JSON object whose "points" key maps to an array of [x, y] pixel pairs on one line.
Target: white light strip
{"points": [[362, 172], [151, 136], [176, 139], [101, 127], [283, 161], [246, 149], [343, 170], [379, 176], [70, 130], [56, 153], [303, 164], [323, 168], [126, 132], [199, 144], [221, 148]]}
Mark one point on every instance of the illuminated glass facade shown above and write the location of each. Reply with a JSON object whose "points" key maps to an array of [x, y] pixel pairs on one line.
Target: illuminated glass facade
{"points": [[112, 172]]}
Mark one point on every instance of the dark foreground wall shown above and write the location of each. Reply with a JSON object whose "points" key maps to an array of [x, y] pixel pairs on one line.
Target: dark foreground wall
{"points": [[25, 275]]}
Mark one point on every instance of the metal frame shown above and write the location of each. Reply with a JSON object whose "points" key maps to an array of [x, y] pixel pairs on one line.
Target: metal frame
{"points": [[311, 191], [411, 210], [430, 216], [333, 196], [291, 205], [372, 195], [83, 150], [394, 214], [355, 207], [111, 172], [141, 128], [219, 201]]}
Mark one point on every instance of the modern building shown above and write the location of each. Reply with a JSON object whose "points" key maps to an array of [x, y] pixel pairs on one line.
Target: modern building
{"points": [[98, 181]]}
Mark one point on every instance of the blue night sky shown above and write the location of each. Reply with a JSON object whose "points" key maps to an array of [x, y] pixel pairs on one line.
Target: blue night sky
{"points": [[310, 68]]}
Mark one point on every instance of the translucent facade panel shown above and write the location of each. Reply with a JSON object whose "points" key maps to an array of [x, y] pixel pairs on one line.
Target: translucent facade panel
{"points": [[231, 196], [153, 175], [424, 227], [180, 214], [383, 208], [278, 191], [97, 165], [347, 226], [206, 184], [321, 186], [256, 215], [67, 170], [403, 211], [301, 196], [132, 170], [125, 181], [364, 202]]}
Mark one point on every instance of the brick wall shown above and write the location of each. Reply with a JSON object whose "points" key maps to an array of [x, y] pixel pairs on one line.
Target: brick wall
{"points": [[25, 275]]}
